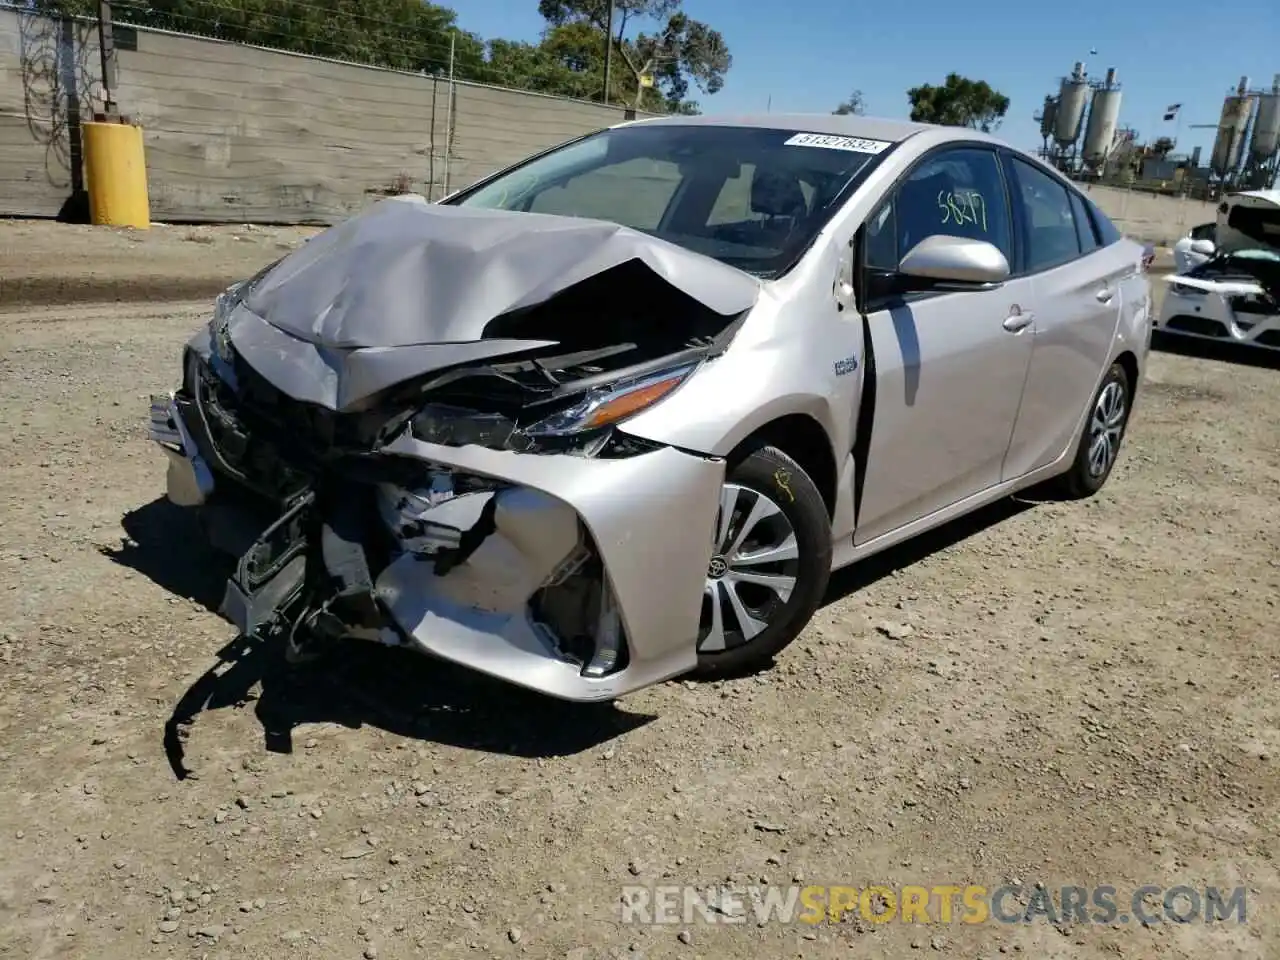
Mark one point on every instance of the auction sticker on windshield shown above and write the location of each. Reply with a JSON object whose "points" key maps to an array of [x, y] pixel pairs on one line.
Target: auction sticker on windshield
{"points": [[829, 142]]}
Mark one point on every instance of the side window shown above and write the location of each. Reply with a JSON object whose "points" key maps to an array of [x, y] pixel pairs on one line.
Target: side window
{"points": [[1084, 225], [1048, 220], [1204, 231], [650, 183], [882, 239], [958, 193]]}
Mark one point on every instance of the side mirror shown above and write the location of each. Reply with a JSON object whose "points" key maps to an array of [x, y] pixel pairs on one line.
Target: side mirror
{"points": [[1203, 247], [944, 262]]}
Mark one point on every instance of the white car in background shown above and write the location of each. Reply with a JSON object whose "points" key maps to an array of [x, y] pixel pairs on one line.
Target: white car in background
{"points": [[1234, 292], [1194, 248]]}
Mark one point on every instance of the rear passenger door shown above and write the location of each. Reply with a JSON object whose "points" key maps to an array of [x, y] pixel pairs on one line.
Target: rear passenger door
{"points": [[1076, 291]]}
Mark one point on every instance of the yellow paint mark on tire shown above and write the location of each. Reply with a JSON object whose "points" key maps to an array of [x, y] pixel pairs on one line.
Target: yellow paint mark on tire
{"points": [[782, 478]]}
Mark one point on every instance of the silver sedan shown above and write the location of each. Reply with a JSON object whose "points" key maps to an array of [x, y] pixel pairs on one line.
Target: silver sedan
{"points": [[614, 414]]}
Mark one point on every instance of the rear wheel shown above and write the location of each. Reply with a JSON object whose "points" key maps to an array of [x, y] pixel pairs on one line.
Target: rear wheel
{"points": [[770, 567], [1103, 433]]}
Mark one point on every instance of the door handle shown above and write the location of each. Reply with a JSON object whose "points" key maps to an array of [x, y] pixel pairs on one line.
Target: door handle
{"points": [[1017, 322], [1105, 295]]}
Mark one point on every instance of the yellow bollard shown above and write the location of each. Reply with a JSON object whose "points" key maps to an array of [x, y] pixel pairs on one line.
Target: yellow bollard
{"points": [[115, 173]]}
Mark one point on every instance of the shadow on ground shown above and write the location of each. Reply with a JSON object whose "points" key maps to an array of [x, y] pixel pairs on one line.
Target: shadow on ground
{"points": [[878, 566], [362, 683], [1221, 350]]}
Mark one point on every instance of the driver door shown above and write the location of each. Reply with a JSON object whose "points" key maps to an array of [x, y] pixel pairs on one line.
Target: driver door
{"points": [[949, 366]]}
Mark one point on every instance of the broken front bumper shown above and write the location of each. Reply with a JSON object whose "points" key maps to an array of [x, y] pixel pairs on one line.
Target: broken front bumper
{"points": [[1235, 312], [649, 519]]}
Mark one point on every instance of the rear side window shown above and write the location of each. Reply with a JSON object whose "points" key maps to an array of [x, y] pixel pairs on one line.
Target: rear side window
{"points": [[1049, 223], [1108, 232], [1084, 225]]}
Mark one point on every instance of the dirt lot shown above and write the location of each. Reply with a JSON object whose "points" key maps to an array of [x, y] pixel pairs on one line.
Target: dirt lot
{"points": [[1073, 694], [42, 262]]}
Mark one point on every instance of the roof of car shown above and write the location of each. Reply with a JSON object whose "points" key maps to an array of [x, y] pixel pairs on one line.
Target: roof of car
{"points": [[872, 128]]}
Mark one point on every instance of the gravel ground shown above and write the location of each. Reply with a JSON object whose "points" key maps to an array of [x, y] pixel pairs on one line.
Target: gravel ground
{"points": [[1072, 694]]}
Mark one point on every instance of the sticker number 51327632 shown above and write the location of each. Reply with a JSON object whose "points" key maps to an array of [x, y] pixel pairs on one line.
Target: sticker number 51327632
{"points": [[831, 142]]}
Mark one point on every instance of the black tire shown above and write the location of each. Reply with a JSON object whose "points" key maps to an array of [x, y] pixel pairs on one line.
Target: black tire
{"points": [[1080, 481], [767, 470]]}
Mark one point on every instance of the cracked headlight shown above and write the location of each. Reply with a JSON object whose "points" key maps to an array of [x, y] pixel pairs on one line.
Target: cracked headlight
{"points": [[583, 429], [609, 405]]}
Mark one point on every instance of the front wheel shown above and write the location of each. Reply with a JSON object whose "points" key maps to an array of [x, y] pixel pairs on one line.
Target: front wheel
{"points": [[770, 566], [1100, 443]]}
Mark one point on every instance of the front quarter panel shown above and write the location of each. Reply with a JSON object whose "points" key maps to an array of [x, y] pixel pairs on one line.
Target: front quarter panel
{"points": [[796, 353]]}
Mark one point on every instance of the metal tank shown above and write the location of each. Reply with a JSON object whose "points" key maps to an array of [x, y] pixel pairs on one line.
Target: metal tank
{"points": [[1048, 113], [1234, 123], [1266, 124], [1072, 97], [1104, 115]]}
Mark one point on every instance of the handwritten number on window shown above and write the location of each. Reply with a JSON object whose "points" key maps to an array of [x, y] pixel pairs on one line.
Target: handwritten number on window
{"points": [[961, 207]]}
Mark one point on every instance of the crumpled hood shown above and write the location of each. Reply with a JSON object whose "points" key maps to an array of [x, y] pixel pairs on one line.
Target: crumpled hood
{"points": [[407, 272]]}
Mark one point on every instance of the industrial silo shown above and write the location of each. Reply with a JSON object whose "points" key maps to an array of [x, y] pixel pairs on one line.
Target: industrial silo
{"points": [[1236, 112], [1104, 115], [1266, 124], [1048, 114], [1072, 97]]}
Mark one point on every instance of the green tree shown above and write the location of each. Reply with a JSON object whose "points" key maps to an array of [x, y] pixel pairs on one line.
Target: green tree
{"points": [[854, 104], [959, 102], [402, 34], [682, 52], [569, 62], [417, 36]]}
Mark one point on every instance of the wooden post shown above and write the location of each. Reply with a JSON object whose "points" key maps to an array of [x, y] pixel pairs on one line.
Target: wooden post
{"points": [[107, 49]]}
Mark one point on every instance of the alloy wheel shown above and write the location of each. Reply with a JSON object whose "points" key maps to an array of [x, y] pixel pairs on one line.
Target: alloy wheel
{"points": [[1105, 428], [753, 570]]}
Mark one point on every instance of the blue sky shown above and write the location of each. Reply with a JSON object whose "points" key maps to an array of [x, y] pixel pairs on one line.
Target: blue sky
{"points": [[811, 56]]}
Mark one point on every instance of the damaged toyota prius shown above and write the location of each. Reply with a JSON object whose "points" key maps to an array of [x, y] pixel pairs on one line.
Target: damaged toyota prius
{"points": [[614, 414]]}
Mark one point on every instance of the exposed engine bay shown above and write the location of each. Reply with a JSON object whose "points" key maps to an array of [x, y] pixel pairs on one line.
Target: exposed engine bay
{"points": [[460, 508]]}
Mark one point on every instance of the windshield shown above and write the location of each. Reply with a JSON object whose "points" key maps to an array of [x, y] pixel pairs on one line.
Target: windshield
{"points": [[750, 197]]}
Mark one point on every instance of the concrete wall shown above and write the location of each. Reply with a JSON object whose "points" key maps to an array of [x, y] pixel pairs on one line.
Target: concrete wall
{"points": [[1149, 217], [47, 70], [236, 133]]}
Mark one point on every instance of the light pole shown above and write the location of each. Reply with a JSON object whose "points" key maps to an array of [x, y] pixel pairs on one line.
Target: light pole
{"points": [[608, 48]]}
